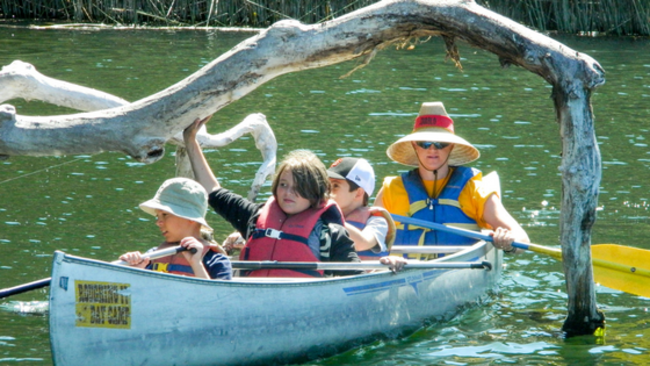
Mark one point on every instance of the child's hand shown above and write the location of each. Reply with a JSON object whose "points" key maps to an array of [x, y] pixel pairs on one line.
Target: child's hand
{"points": [[189, 134], [192, 243], [394, 263], [234, 241], [134, 259]]}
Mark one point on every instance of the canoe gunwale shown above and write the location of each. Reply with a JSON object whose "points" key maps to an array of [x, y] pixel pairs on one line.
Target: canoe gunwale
{"points": [[61, 256]]}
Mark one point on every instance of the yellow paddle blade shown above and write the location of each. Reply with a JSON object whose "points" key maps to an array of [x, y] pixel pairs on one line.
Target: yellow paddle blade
{"points": [[622, 268], [618, 267], [615, 266]]}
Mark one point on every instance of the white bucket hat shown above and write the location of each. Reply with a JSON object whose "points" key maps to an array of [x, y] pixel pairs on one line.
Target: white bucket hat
{"points": [[433, 124], [182, 197]]}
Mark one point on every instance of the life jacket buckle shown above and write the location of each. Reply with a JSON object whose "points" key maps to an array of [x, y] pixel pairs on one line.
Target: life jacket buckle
{"points": [[160, 267], [272, 233]]}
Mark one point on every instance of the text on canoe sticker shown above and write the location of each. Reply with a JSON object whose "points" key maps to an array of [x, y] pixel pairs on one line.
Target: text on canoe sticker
{"points": [[102, 304]]}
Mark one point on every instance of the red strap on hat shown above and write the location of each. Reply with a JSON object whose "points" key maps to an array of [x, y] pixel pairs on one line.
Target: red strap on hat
{"points": [[434, 121]]}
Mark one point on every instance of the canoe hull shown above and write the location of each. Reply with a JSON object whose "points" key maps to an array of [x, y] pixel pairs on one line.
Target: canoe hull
{"points": [[104, 314]]}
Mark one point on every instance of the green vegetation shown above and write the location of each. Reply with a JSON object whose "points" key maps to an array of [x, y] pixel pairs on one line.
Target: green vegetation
{"points": [[619, 17], [239, 13]]}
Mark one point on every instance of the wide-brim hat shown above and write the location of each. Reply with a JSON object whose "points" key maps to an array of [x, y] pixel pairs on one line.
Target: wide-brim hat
{"points": [[433, 124], [182, 197]]}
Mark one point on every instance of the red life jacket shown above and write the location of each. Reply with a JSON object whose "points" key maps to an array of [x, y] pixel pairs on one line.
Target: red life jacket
{"points": [[285, 238], [176, 264]]}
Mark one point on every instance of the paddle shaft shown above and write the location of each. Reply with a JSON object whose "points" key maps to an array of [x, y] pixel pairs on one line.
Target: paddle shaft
{"points": [[555, 253], [348, 266], [452, 230], [46, 281], [426, 249]]}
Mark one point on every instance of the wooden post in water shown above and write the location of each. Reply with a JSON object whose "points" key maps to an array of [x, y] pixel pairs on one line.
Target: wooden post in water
{"points": [[581, 174]]}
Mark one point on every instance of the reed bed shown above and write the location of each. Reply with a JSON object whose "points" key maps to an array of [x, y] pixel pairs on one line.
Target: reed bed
{"points": [[589, 17], [620, 17]]}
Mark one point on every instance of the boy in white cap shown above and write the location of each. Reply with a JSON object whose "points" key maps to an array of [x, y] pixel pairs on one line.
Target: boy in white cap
{"points": [[440, 189], [371, 229], [180, 206]]}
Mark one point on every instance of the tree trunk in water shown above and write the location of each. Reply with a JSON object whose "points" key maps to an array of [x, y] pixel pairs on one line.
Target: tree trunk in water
{"points": [[581, 174]]}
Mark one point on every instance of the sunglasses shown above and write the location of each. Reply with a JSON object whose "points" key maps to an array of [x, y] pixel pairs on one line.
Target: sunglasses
{"points": [[427, 144]]}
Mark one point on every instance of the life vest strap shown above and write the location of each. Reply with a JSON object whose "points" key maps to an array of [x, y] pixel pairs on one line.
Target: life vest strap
{"points": [[167, 268], [449, 202], [429, 202], [277, 234], [417, 206]]}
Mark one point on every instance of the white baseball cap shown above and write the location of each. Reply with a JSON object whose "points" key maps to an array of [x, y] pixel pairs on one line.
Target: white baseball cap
{"points": [[356, 170]]}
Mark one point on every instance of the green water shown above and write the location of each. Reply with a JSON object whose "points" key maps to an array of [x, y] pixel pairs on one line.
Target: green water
{"points": [[87, 205]]}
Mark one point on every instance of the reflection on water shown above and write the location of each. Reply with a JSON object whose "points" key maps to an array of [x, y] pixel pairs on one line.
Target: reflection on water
{"points": [[26, 307], [87, 205]]}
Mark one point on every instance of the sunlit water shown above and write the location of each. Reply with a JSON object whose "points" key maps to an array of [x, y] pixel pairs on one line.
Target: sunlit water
{"points": [[87, 205]]}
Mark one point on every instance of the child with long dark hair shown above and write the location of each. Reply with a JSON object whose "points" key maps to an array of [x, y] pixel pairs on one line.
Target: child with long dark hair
{"points": [[298, 223]]}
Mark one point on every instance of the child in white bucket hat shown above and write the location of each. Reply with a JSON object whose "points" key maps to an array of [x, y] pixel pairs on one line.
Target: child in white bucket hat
{"points": [[180, 205], [440, 189]]}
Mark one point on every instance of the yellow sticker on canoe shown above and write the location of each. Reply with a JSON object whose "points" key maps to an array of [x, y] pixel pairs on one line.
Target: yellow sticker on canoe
{"points": [[102, 304]]}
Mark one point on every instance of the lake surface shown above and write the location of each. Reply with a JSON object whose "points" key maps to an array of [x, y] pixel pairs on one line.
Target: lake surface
{"points": [[88, 205]]}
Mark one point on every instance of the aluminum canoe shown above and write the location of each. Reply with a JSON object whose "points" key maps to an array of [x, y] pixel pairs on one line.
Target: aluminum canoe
{"points": [[106, 314]]}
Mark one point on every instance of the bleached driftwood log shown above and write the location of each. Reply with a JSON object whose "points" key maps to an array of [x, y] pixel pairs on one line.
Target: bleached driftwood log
{"points": [[22, 80], [141, 128]]}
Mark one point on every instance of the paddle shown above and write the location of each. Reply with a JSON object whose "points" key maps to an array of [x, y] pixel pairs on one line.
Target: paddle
{"points": [[619, 267], [429, 249], [347, 266], [46, 281]]}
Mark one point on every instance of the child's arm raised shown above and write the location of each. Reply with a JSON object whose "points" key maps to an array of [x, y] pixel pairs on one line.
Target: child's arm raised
{"points": [[202, 172]]}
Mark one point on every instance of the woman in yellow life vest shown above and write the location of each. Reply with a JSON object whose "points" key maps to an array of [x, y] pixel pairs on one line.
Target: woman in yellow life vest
{"points": [[440, 189]]}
